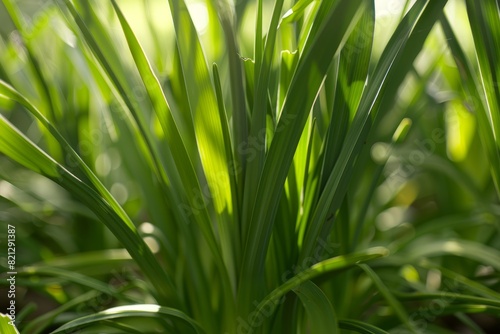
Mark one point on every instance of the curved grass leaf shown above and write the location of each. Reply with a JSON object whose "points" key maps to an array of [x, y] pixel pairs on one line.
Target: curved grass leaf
{"points": [[472, 89], [467, 283], [360, 327], [204, 109], [41, 323], [19, 148], [145, 310], [484, 20], [389, 297], [236, 73], [180, 154], [73, 277], [471, 309], [423, 12], [296, 12], [450, 297], [14, 95], [462, 248], [321, 316], [320, 268], [229, 233], [109, 61], [40, 80]]}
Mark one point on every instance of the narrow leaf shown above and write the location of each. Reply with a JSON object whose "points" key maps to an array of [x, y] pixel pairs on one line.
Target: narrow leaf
{"points": [[320, 313]]}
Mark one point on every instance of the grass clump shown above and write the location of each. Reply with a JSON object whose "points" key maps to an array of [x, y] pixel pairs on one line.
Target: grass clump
{"points": [[289, 167]]}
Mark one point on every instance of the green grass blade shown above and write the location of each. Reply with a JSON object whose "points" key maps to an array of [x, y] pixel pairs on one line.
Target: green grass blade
{"points": [[360, 327], [296, 12], [482, 105], [472, 309], [70, 276], [230, 234], [337, 183], [391, 299], [467, 283], [263, 68], [456, 297], [311, 70], [351, 78], [40, 80], [320, 313], [108, 61], [468, 249], [19, 148], [351, 75], [41, 323], [85, 261], [236, 75], [6, 326], [180, 154], [320, 268], [212, 149], [152, 311], [258, 42], [14, 95], [484, 19], [204, 109]]}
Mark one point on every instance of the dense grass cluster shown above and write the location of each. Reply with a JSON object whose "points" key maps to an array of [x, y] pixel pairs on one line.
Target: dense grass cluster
{"points": [[309, 166]]}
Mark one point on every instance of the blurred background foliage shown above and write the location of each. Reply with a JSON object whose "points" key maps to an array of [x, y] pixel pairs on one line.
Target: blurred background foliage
{"points": [[423, 189]]}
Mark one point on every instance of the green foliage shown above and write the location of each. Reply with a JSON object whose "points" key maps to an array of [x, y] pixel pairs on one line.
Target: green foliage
{"points": [[6, 325], [325, 166]]}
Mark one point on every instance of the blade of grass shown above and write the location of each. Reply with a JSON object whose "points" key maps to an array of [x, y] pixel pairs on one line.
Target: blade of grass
{"points": [[360, 327], [74, 277], [108, 62], [181, 158], [86, 262], [263, 68], [41, 323], [484, 20], [232, 247], [236, 76], [467, 283], [469, 249], [472, 309], [311, 70], [152, 311], [469, 323], [320, 313], [483, 108], [396, 306], [6, 326], [320, 268], [456, 297], [351, 75], [424, 12], [40, 81], [296, 12], [19, 148], [204, 109], [351, 78], [180, 154]]}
